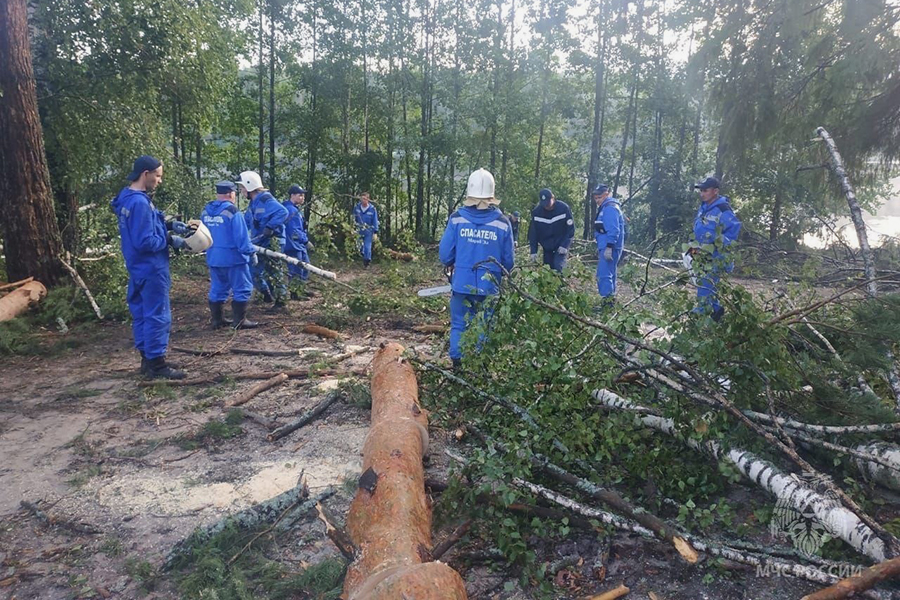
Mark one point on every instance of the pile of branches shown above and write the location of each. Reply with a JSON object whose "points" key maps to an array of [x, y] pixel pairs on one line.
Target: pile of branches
{"points": [[636, 417]]}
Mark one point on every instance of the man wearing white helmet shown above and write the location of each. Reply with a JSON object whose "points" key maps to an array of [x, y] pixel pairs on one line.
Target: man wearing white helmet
{"points": [[265, 219], [475, 233]]}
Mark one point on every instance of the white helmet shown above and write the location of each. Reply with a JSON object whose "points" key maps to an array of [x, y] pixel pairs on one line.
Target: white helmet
{"points": [[200, 240], [481, 184], [250, 180]]}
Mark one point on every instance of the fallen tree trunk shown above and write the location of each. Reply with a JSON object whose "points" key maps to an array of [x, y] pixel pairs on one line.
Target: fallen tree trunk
{"points": [[15, 284], [322, 332], [837, 167], [657, 526], [856, 584], [246, 396], [21, 299], [810, 573], [888, 476], [404, 256], [307, 417], [837, 520], [390, 520], [249, 518]]}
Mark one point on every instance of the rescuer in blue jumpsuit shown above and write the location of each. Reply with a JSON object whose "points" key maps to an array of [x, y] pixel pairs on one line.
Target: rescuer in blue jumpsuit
{"points": [[609, 232], [146, 236], [553, 227], [295, 236], [366, 217], [228, 258], [265, 219], [716, 227], [475, 233]]}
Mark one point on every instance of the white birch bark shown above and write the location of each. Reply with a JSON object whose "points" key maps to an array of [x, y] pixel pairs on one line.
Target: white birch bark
{"points": [[837, 520]]}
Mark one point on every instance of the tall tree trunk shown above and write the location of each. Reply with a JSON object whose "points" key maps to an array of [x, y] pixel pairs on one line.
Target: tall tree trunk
{"points": [[31, 237], [622, 150], [507, 115], [197, 162], [654, 196], [311, 155], [420, 179], [597, 135], [67, 200], [365, 81], [775, 224], [260, 72], [389, 141], [272, 95], [174, 128], [181, 133]]}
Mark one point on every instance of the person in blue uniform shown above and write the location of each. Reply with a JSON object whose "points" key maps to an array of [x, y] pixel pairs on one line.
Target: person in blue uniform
{"points": [[228, 259], [265, 217], [716, 227], [609, 233], [553, 228], [475, 233], [366, 217], [295, 236], [515, 219], [146, 237]]}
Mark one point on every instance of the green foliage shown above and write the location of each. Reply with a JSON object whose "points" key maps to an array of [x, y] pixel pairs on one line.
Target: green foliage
{"points": [[214, 431]]}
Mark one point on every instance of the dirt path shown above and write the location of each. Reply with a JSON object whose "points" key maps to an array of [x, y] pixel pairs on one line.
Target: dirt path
{"points": [[123, 472]]}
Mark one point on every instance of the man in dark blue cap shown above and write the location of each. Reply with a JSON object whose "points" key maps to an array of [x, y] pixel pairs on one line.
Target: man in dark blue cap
{"points": [[514, 219], [146, 236], [296, 238], [553, 227], [609, 233], [715, 228], [228, 259]]}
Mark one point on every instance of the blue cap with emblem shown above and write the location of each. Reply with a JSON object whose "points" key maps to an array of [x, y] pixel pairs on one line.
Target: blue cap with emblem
{"points": [[143, 163], [545, 196], [709, 182], [225, 187]]}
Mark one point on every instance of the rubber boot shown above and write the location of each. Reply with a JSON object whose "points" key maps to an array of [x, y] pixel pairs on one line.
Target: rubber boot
{"points": [[143, 364], [457, 364], [215, 310], [266, 296], [158, 369], [239, 310]]}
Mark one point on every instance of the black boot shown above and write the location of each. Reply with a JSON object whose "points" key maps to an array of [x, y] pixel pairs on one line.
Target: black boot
{"points": [[239, 310], [158, 369], [457, 364], [215, 309], [366, 263], [266, 296], [143, 364]]}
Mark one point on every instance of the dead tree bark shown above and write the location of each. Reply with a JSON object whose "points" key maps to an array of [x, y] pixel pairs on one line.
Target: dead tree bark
{"points": [[307, 417], [248, 395], [837, 167], [30, 232], [856, 584], [390, 520]]}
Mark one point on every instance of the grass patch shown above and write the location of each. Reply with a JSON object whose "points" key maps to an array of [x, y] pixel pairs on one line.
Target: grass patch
{"points": [[207, 573], [111, 547], [144, 574], [358, 393], [84, 475], [213, 431]]}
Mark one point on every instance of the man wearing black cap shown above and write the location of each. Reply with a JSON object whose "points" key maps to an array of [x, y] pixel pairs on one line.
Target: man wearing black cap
{"points": [[295, 237], [715, 228], [609, 233], [228, 259], [146, 235], [553, 227]]}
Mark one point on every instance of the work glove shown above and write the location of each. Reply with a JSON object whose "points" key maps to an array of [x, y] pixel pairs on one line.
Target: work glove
{"points": [[268, 232], [534, 257], [179, 227], [310, 247], [176, 242], [608, 253], [254, 259], [562, 250], [374, 237]]}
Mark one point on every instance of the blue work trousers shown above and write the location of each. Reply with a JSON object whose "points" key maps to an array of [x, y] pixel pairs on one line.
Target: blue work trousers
{"points": [[151, 313], [295, 271], [606, 273], [556, 260], [224, 281], [365, 238], [463, 309]]}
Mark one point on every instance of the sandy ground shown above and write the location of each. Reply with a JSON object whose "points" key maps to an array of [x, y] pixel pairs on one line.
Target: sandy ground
{"points": [[97, 453]]}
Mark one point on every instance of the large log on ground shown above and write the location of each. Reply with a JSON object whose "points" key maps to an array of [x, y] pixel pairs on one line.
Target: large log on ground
{"points": [[18, 301], [390, 520]]}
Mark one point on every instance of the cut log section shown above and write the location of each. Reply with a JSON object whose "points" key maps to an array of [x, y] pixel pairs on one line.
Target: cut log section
{"points": [[390, 520], [15, 284], [322, 332], [21, 299], [246, 396]]}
